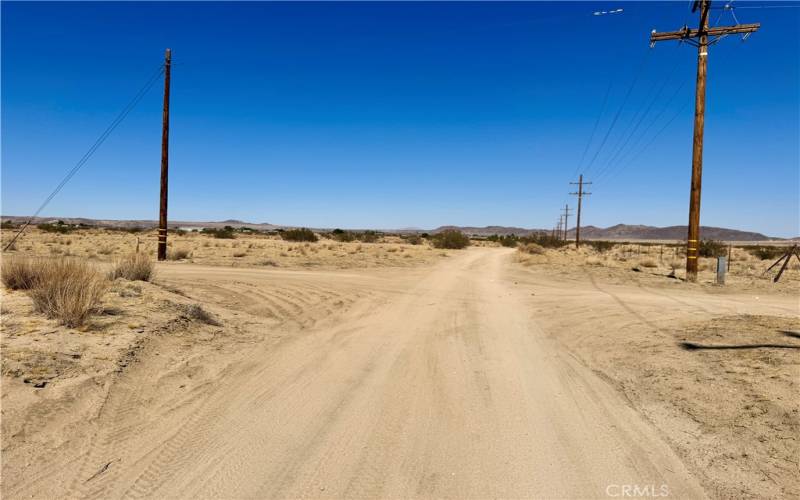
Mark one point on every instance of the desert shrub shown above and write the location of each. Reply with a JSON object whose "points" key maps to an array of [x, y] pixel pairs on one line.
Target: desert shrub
{"points": [[7, 224], [368, 237], [60, 227], [239, 255], [19, 273], [712, 248], [601, 246], [224, 234], [414, 239], [301, 234], [178, 253], [648, 263], [450, 238], [135, 267], [530, 248], [197, 313], [67, 290], [544, 240], [767, 253], [343, 236]]}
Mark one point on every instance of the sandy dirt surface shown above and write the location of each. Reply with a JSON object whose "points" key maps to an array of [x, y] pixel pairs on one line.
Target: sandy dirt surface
{"points": [[245, 250], [473, 376]]}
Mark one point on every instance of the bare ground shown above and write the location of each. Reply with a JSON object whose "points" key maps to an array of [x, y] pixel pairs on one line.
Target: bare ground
{"points": [[472, 376]]}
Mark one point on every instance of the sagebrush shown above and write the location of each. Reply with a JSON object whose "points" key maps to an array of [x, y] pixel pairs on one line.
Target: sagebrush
{"points": [[450, 238], [301, 234]]}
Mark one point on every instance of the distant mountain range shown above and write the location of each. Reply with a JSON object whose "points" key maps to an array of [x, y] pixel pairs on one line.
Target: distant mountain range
{"points": [[618, 232], [624, 232]]}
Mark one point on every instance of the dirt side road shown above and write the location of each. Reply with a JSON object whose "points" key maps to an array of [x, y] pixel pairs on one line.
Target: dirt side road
{"points": [[439, 384]]}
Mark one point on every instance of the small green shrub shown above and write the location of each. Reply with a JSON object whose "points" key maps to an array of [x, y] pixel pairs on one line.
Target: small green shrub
{"points": [[767, 252], [450, 238], [343, 236], [712, 248], [225, 234], [55, 228], [601, 246], [368, 237], [302, 234], [544, 240], [414, 239]]}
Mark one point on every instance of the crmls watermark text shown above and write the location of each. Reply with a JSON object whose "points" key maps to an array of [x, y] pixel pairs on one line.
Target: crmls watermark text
{"points": [[637, 490]]}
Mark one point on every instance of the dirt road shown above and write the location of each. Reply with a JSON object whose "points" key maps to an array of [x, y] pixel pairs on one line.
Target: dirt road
{"points": [[434, 382]]}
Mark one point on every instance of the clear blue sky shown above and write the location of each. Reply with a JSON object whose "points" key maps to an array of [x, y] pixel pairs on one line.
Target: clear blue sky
{"points": [[391, 115]]}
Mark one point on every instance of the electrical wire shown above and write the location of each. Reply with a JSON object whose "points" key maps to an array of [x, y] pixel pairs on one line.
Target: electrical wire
{"points": [[638, 121], [100, 140], [594, 129], [651, 141], [638, 73]]}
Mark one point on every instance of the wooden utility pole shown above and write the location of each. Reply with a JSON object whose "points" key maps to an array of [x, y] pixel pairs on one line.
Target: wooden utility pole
{"points": [[700, 38], [566, 215], [580, 193], [162, 213]]}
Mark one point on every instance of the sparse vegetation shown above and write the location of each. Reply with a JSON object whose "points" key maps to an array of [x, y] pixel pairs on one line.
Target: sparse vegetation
{"points": [[224, 234], [368, 237], [414, 239], [197, 313], [601, 246], [135, 267], [67, 290], [545, 240], [178, 253], [450, 238], [19, 273], [767, 252], [531, 248], [508, 240], [59, 227], [301, 234], [712, 248]]}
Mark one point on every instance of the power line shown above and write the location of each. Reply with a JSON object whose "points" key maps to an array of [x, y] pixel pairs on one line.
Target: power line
{"points": [[655, 120], [616, 171], [100, 140], [594, 129], [627, 137], [619, 111]]}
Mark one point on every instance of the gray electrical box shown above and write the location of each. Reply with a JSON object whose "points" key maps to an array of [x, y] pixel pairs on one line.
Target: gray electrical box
{"points": [[722, 266]]}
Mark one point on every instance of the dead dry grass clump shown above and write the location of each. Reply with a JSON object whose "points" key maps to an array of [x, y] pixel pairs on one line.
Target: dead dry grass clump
{"points": [[19, 273], [67, 290], [531, 248], [179, 254], [648, 263], [197, 313], [135, 267]]}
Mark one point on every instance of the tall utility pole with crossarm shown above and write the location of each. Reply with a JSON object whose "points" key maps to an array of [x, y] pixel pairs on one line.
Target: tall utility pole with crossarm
{"points": [[580, 194], [700, 38]]}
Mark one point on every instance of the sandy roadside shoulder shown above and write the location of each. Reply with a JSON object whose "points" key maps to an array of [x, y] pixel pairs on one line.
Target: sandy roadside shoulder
{"points": [[715, 370]]}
